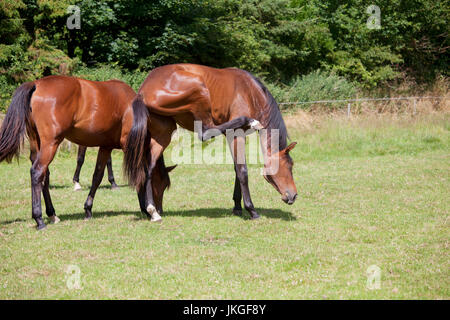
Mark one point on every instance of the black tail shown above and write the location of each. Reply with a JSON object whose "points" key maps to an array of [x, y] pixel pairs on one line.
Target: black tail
{"points": [[15, 123], [137, 145]]}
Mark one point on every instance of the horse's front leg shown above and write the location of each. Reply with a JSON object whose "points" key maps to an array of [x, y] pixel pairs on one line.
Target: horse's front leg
{"points": [[156, 151], [142, 201], [145, 205], [142, 196], [237, 196], [242, 173], [237, 146]]}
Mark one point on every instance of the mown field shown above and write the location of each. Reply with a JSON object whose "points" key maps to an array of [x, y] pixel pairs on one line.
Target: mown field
{"points": [[372, 191]]}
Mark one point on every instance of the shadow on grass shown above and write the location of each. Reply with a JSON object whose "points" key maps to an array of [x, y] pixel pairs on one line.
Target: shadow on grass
{"points": [[4, 223], [84, 188], [223, 213], [213, 213]]}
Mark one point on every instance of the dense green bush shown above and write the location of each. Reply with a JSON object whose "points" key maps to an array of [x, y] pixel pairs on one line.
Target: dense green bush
{"points": [[100, 73], [6, 91], [317, 85], [103, 73], [279, 40]]}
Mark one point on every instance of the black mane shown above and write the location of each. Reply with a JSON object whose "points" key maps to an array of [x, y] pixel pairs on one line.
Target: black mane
{"points": [[273, 118]]}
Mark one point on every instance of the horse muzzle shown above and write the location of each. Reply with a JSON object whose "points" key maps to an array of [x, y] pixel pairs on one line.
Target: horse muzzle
{"points": [[289, 197]]}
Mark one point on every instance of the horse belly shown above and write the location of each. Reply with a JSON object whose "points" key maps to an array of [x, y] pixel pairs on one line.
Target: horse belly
{"points": [[95, 138]]}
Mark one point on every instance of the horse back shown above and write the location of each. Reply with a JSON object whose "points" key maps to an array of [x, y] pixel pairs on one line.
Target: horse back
{"points": [[86, 112], [188, 91], [233, 92]]}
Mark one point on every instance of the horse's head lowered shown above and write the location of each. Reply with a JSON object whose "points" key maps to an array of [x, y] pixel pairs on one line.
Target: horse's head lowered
{"points": [[160, 183], [278, 172]]}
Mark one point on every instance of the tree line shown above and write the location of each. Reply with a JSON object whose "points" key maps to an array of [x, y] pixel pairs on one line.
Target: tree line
{"points": [[278, 40]]}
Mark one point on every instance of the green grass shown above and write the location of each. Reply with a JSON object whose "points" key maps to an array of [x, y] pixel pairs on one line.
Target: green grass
{"points": [[370, 193]]}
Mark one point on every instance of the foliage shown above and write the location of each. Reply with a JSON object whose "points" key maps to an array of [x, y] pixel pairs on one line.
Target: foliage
{"points": [[412, 36], [314, 86], [104, 73], [277, 39]]}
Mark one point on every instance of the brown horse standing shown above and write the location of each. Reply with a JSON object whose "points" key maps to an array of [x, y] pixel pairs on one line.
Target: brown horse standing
{"points": [[221, 99], [86, 112]]}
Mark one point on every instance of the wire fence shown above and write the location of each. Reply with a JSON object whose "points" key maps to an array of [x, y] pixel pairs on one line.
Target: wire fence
{"points": [[350, 101], [68, 145]]}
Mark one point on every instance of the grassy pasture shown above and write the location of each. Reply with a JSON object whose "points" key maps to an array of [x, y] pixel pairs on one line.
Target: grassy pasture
{"points": [[372, 191]]}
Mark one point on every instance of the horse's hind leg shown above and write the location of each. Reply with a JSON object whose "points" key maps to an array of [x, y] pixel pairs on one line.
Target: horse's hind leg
{"points": [[80, 160], [150, 202], [142, 202], [102, 158], [49, 209], [160, 141], [38, 174], [111, 174]]}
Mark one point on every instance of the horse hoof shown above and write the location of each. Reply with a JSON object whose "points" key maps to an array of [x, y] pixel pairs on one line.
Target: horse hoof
{"points": [[54, 219], [255, 124], [255, 216], [114, 186], [155, 217], [77, 187], [41, 226], [237, 212]]}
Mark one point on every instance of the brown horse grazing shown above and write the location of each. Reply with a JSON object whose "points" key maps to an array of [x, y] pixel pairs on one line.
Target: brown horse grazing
{"points": [[80, 161], [221, 99], [86, 112]]}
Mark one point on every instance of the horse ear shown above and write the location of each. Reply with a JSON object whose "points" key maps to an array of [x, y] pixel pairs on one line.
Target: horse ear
{"points": [[171, 168], [290, 147]]}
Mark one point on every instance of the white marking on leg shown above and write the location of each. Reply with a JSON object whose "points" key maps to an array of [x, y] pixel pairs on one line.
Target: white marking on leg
{"points": [[151, 209], [155, 217], [77, 187], [54, 219], [255, 124]]}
